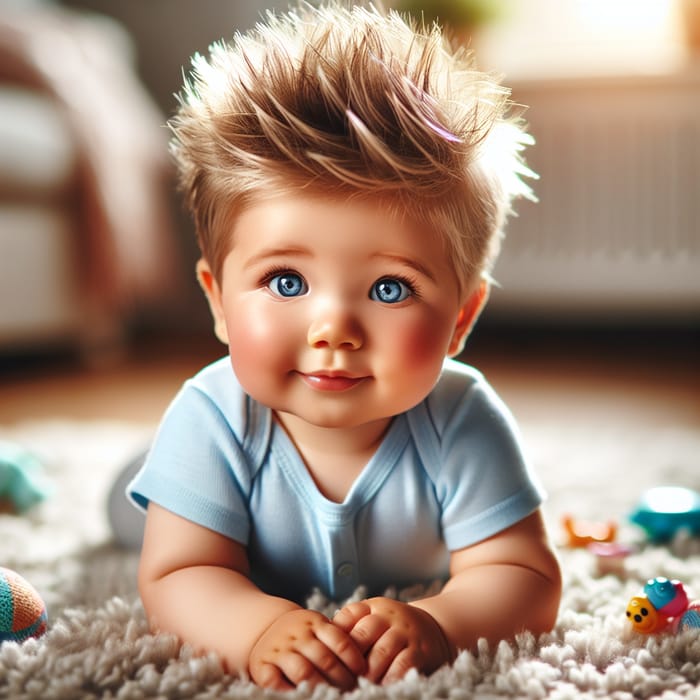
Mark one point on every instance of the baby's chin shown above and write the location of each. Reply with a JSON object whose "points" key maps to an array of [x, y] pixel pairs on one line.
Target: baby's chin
{"points": [[328, 419]]}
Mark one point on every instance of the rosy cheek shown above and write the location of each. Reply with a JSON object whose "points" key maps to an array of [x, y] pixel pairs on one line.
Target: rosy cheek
{"points": [[423, 341], [251, 339], [263, 342], [421, 348]]}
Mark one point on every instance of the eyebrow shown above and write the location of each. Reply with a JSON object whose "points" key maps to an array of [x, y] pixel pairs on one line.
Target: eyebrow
{"points": [[408, 262], [301, 251], [281, 252]]}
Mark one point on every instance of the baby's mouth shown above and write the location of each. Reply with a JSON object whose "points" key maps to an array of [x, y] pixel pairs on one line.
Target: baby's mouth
{"points": [[330, 381]]}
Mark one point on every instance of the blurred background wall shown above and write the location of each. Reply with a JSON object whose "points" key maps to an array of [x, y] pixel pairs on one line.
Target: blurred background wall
{"points": [[613, 95]]}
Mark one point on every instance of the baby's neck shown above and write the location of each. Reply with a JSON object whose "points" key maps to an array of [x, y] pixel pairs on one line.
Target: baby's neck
{"points": [[334, 441], [334, 457]]}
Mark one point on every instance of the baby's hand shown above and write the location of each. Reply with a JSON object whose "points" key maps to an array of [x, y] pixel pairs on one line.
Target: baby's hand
{"points": [[394, 637], [303, 645]]}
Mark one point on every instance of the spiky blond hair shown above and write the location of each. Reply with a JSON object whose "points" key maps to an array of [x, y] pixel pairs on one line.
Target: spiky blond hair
{"points": [[350, 102]]}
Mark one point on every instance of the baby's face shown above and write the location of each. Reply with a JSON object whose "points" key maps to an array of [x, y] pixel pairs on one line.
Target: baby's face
{"points": [[335, 312]]}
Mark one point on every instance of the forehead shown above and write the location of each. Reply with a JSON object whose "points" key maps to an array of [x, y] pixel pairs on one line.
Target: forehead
{"points": [[323, 223]]}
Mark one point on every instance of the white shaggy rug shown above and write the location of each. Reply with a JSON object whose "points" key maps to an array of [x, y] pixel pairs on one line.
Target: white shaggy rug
{"points": [[98, 644]]}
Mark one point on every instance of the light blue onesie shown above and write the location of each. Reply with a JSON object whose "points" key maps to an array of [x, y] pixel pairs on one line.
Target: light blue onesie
{"points": [[449, 473]]}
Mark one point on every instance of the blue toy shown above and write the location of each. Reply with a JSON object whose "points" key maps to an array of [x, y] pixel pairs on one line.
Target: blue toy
{"points": [[665, 510], [668, 597], [22, 483]]}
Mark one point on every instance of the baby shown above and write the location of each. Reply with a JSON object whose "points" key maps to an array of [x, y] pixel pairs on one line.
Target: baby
{"points": [[349, 176]]}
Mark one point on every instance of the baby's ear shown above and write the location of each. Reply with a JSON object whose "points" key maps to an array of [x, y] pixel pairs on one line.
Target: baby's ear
{"points": [[213, 293], [467, 318]]}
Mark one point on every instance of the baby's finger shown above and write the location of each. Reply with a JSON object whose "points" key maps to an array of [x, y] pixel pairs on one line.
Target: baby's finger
{"points": [[383, 653], [367, 631], [267, 675], [348, 617], [402, 663], [297, 669], [343, 646], [329, 666]]}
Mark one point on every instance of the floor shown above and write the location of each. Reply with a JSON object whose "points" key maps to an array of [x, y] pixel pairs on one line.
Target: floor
{"points": [[648, 377]]}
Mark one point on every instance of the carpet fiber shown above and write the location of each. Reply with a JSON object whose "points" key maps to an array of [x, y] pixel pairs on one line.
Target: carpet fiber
{"points": [[99, 646]]}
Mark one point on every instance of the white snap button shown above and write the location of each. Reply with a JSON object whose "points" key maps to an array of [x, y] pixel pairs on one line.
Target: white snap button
{"points": [[345, 570]]}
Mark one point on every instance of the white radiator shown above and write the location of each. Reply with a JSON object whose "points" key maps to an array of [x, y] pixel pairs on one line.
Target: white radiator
{"points": [[616, 230]]}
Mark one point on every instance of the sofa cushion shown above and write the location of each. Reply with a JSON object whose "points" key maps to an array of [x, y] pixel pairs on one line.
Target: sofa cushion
{"points": [[37, 150]]}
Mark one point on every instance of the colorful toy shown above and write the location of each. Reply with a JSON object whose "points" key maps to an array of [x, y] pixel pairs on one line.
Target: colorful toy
{"points": [[581, 533], [665, 510], [22, 611], [610, 556], [22, 484], [664, 606]]}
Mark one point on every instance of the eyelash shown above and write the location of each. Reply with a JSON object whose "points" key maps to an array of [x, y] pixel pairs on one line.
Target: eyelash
{"points": [[409, 281], [274, 272]]}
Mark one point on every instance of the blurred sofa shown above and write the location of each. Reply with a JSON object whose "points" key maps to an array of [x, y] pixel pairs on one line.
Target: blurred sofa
{"points": [[85, 223]]}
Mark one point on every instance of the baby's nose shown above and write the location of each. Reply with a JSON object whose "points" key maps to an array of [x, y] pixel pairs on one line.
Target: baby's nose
{"points": [[336, 329]]}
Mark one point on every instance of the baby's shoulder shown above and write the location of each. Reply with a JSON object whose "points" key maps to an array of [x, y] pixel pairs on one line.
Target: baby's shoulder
{"points": [[461, 395], [457, 382], [458, 377], [211, 376], [216, 391], [217, 382]]}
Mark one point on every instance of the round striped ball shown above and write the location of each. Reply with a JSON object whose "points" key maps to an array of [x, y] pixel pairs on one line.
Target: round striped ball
{"points": [[22, 611], [690, 619]]}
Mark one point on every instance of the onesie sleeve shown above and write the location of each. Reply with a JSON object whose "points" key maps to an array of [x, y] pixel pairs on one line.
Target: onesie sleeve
{"points": [[196, 467], [483, 480]]}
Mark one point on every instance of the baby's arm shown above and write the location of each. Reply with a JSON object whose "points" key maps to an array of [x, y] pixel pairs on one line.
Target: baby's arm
{"points": [[194, 583], [497, 588], [507, 584]]}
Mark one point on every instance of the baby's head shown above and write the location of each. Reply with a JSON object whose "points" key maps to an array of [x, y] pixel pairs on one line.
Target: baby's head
{"points": [[345, 103]]}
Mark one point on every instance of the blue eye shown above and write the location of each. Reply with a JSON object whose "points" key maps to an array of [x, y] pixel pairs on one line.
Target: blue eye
{"points": [[389, 290], [287, 284]]}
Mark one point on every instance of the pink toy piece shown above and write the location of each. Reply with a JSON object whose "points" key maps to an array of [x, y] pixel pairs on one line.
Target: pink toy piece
{"points": [[610, 556]]}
